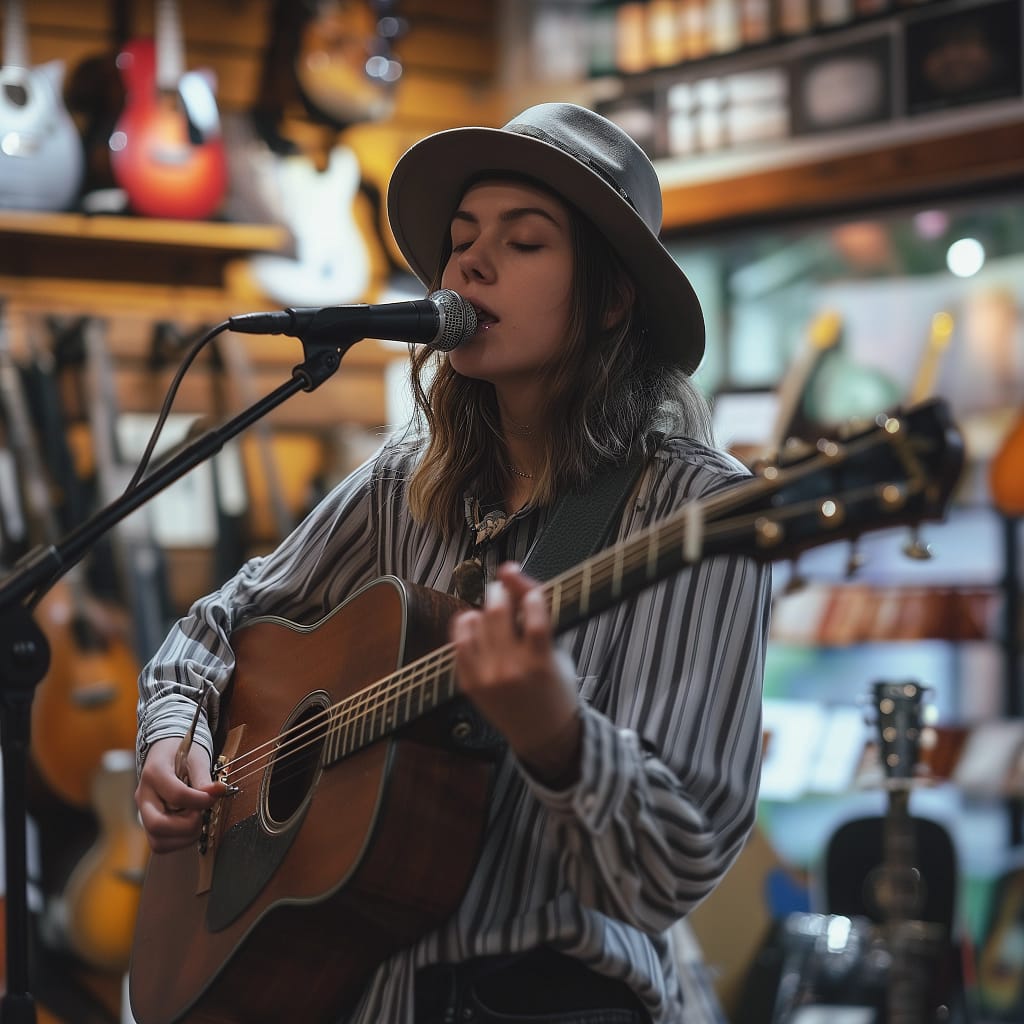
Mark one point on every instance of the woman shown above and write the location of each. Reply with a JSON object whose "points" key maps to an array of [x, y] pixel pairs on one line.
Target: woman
{"points": [[629, 780]]}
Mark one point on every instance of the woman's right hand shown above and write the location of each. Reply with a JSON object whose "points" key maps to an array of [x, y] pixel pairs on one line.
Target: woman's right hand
{"points": [[172, 810]]}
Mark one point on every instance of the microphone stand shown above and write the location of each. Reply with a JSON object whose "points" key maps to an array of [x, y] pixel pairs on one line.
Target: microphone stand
{"points": [[25, 653]]}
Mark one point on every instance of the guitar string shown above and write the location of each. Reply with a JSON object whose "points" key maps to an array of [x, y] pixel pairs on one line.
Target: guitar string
{"points": [[358, 707]]}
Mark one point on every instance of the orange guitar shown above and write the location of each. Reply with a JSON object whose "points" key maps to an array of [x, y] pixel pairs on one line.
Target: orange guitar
{"points": [[1006, 474], [344, 68], [359, 784], [166, 148]]}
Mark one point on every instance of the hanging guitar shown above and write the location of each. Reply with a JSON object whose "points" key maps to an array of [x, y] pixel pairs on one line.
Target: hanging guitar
{"points": [[167, 152], [1006, 472], [916, 947], [85, 705], [41, 159], [348, 749], [345, 67]]}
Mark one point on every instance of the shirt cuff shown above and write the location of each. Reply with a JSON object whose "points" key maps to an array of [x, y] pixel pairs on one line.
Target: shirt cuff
{"points": [[171, 716], [607, 755]]}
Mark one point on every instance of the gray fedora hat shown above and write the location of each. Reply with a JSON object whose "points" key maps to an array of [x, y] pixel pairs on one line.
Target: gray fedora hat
{"points": [[588, 161]]}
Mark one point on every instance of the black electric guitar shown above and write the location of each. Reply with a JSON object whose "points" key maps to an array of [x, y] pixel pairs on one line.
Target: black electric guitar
{"points": [[346, 754]]}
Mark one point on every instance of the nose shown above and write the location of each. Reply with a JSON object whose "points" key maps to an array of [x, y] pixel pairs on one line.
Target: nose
{"points": [[474, 262]]}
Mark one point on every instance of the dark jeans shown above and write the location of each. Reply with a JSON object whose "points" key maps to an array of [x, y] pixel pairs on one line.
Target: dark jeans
{"points": [[539, 987]]}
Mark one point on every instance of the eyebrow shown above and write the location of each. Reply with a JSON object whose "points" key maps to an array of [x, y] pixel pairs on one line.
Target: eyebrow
{"points": [[508, 216]]}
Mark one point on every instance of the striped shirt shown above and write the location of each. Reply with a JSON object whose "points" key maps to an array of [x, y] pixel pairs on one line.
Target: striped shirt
{"points": [[670, 682]]}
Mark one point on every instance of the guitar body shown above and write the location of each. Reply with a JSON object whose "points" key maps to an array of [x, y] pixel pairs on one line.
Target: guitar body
{"points": [[334, 49], [332, 261], [42, 162], [316, 863], [102, 892], [168, 164], [1006, 473], [86, 704]]}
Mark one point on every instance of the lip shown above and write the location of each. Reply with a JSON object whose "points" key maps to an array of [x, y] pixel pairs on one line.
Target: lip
{"points": [[485, 318]]}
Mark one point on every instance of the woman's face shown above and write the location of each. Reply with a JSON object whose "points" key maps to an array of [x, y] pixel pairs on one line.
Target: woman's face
{"points": [[512, 260]]}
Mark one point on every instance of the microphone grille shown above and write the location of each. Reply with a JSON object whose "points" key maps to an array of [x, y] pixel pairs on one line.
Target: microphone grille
{"points": [[457, 320]]}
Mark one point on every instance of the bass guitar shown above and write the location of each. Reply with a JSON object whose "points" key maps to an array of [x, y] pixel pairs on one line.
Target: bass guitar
{"points": [[346, 750], [167, 152], [41, 159]]}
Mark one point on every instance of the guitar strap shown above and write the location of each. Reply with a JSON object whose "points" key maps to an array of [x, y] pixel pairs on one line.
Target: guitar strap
{"points": [[582, 522]]}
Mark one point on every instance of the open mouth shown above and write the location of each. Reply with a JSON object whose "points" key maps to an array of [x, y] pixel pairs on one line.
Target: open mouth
{"points": [[484, 318]]}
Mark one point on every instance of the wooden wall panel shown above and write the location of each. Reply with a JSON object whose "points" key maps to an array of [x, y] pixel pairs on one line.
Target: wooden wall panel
{"points": [[450, 52]]}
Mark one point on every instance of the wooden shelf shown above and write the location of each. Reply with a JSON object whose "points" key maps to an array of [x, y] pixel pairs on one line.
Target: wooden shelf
{"points": [[895, 168], [128, 249]]}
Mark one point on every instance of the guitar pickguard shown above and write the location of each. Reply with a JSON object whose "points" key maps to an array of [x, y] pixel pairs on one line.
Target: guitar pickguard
{"points": [[248, 858]]}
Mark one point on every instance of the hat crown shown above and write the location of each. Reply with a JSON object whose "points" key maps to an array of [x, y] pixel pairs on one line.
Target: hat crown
{"points": [[600, 145]]}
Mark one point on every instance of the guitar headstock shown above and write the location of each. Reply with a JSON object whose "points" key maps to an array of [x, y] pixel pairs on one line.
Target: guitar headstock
{"points": [[900, 469], [898, 720]]}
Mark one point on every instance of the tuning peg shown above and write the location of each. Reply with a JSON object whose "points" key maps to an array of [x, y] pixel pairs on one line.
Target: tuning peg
{"points": [[797, 581], [915, 547], [854, 559]]}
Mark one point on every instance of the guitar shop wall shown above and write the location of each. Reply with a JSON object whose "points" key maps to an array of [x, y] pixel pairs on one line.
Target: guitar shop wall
{"points": [[165, 165], [842, 186]]}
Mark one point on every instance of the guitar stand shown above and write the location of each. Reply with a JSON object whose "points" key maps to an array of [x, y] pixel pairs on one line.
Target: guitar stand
{"points": [[25, 652]]}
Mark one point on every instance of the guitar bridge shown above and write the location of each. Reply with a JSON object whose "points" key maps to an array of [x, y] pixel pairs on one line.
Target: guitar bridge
{"points": [[213, 815]]}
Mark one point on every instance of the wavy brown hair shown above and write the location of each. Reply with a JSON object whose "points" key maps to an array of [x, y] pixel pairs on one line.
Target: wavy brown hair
{"points": [[610, 394]]}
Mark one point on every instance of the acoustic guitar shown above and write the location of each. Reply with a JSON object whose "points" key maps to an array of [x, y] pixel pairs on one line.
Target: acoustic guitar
{"points": [[918, 948], [359, 788], [41, 160], [345, 69], [167, 152]]}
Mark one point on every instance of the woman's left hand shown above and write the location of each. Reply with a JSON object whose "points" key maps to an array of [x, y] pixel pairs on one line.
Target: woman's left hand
{"points": [[506, 665]]}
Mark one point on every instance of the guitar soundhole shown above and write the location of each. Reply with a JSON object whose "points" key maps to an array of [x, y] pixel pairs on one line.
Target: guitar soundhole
{"points": [[292, 775]]}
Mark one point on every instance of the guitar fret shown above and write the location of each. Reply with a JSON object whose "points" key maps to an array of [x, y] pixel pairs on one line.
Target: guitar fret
{"points": [[584, 602], [652, 552], [617, 573], [556, 602]]}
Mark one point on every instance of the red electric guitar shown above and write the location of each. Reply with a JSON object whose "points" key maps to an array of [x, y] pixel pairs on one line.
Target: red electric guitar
{"points": [[166, 148]]}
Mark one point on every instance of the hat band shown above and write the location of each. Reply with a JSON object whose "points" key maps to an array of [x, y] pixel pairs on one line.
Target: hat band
{"points": [[542, 136]]}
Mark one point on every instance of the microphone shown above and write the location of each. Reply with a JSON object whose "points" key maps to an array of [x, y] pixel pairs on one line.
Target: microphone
{"points": [[444, 320]]}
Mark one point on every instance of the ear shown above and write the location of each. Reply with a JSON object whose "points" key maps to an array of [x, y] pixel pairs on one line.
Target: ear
{"points": [[620, 300]]}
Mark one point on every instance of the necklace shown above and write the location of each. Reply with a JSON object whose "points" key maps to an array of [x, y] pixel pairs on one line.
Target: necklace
{"points": [[519, 473]]}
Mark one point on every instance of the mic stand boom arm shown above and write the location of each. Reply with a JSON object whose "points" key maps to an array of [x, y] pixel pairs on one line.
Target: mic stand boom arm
{"points": [[25, 654]]}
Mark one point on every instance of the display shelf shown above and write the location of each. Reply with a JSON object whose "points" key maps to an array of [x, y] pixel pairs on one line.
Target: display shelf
{"points": [[128, 248]]}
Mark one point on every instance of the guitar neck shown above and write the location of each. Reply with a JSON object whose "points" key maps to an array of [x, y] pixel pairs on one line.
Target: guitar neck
{"points": [[15, 35], [170, 46], [928, 368], [900, 856]]}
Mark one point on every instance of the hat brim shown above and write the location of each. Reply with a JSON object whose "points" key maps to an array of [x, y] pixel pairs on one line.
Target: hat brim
{"points": [[427, 185]]}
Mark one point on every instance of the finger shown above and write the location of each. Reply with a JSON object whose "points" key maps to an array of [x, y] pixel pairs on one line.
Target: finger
{"points": [[512, 576], [536, 622], [499, 614]]}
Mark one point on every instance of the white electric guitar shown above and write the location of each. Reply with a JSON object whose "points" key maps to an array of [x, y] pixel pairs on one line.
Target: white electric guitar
{"points": [[331, 262], [41, 155]]}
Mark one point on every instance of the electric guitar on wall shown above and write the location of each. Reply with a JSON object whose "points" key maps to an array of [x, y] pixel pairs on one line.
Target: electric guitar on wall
{"points": [[344, 747], [166, 148], [41, 157]]}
